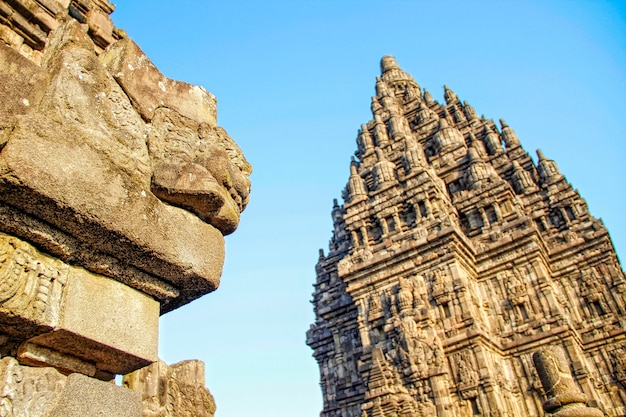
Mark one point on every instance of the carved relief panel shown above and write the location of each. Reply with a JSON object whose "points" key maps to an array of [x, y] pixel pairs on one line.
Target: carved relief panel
{"points": [[31, 285]]}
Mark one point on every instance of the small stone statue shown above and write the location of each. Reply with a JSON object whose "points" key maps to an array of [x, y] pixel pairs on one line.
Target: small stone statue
{"points": [[564, 398]]}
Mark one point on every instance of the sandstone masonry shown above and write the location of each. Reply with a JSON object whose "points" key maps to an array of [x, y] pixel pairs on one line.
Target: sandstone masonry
{"points": [[463, 278], [116, 189]]}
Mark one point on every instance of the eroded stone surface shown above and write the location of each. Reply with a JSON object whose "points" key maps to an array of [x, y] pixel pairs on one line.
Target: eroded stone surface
{"points": [[116, 189], [65, 316], [28, 391], [83, 396], [77, 158], [564, 399], [44, 392], [172, 391], [149, 90]]}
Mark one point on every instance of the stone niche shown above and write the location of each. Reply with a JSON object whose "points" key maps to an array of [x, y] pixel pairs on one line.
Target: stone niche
{"points": [[116, 189]]}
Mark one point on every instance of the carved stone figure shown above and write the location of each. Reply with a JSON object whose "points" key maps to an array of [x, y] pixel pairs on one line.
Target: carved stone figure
{"points": [[591, 290], [405, 295], [618, 359], [466, 375]]}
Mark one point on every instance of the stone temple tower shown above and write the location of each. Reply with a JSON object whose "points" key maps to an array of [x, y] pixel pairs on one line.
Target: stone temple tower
{"points": [[463, 278]]}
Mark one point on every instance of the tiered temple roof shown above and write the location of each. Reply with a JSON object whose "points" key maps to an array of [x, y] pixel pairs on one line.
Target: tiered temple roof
{"points": [[454, 257]]}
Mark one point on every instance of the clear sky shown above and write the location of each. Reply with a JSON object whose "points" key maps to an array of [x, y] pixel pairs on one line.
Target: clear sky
{"points": [[293, 81]]}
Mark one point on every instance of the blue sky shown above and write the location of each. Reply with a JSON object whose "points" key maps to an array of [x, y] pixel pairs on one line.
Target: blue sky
{"points": [[293, 81]]}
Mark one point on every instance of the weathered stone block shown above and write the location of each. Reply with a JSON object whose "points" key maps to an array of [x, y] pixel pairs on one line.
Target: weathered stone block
{"points": [[106, 323], [149, 89], [80, 164], [85, 396], [8, 36], [172, 391], [116, 188], [31, 287], [71, 318], [22, 84], [44, 392]]}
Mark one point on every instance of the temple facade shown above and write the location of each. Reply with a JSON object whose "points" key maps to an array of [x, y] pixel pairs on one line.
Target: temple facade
{"points": [[455, 258]]}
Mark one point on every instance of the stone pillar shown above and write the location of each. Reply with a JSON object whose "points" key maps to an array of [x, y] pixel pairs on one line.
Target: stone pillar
{"points": [[441, 393]]}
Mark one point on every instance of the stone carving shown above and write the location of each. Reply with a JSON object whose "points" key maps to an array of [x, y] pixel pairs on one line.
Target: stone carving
{"points": [[424, 115], [447, 138], [386, 396], [441, 287], [27, 391], [522, 180], [564, 399], [508, 135], [591, 291], [515, 289], [117, 187], [356, 186], [405, 295], [489, 256], [16, 400], [30, 283], [493, 142], [44, 392], [618, 359], [448, 95], [114, 107], [548, 170], [467, 377], [172, 391], [470, 113], [196, 164]]}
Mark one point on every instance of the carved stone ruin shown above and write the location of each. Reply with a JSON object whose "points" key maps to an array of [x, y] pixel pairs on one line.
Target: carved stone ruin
{"points": [[454, 257], [172, 390], [116, 189]]}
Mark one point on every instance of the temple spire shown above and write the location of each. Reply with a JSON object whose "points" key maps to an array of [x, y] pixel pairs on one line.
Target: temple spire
{"points": [[383, 169], [448, 234], [449, 95], [522, 180], [387, 63], [548, 169], [509, 136], [470, 113], [400, 82], [365, 141], [447, 138], [380, 131], [492, 141], [428, 97], [356, 185]]}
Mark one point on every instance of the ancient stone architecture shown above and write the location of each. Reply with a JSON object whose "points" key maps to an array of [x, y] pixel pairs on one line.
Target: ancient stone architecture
{"points": [[116, 188], [463, 278]]}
